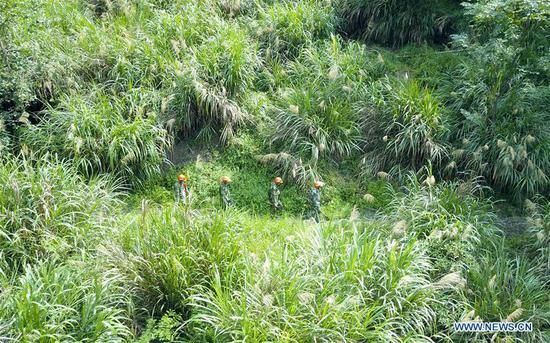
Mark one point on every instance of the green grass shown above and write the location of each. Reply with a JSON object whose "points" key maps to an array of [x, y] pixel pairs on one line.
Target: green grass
{"points": [[404, 273], [48, 211], [416, 144]]}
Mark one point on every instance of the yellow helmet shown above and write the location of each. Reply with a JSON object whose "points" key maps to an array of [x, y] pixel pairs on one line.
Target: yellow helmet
{"points": [[226, 179], [182, 177], [278, 180]]}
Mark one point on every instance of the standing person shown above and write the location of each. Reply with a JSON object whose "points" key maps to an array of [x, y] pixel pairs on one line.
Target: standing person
{"points": [[181, 190], [274, 192], [315, 199], [225, 194]]}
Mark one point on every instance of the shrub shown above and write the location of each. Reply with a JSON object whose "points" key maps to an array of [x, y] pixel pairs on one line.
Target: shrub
{"points": [[163, 330]]}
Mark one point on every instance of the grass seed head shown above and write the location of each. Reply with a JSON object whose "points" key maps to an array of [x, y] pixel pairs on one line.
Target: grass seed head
{"points": [[354, 215], [383, 175], [321, 147], [399, 228], [530, 206], [515, 315], [430, 181], [436, 234], [331, 300], [333, 73], [458, 153], [451, 280], [451, 165], [267, 300], [266, 266], [453, 232], [164, 105], [469, 316], [512, 153], [369, 198], [305, 298], [491, 284]]}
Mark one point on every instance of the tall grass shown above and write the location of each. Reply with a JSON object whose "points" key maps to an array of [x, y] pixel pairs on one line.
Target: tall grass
{"points": [[283, 28], [103, 134], [315, 117], [71, 302], [343, 284], [502, 288], [498, 96], [397, 22], [164, 253], [50, 222], [4, 138], [449, 219], [404, 124], [47, 210], [107, 85]]}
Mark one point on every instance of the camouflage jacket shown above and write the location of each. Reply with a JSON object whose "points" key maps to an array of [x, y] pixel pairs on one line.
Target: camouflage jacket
{"points": [[225, 195], [315, 197], [273, 194], [181, 191]]}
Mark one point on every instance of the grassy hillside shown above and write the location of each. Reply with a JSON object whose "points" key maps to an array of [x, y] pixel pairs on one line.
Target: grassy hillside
{"points": [[428, 122]]}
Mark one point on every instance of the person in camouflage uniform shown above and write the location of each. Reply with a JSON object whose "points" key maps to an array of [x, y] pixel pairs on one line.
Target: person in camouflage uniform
{"points": [[315, 199], [225, 194], [273, 194], [181, 190]]}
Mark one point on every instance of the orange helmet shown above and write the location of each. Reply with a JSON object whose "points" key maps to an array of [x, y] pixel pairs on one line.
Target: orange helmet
{"points": [[278, 180], [318, 184], [182, 177], [226, 179]]}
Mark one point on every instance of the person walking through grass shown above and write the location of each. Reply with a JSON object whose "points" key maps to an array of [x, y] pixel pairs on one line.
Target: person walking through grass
{"points": [[315, 200], [225, 194], [181, 190], [274, 193]]}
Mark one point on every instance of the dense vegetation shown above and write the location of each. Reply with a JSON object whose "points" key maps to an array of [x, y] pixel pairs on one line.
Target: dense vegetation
{"points": [[428, 120]]}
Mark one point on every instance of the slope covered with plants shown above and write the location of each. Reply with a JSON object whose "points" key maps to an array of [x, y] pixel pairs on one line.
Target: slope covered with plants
{"points": [[427, 120]]}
